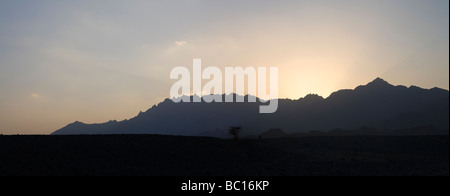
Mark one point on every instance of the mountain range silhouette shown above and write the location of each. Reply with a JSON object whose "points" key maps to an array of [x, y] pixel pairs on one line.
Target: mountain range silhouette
{"points": [[377, 105]]}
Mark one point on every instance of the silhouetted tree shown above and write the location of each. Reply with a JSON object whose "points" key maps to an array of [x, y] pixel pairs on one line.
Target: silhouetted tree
{"points": [[234, 131]]}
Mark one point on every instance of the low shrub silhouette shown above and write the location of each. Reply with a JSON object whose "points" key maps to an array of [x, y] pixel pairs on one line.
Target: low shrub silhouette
{"points": [[235, 131]]}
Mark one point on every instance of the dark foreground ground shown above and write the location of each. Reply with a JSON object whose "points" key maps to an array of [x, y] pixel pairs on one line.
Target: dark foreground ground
{"points": [[168, 155]]}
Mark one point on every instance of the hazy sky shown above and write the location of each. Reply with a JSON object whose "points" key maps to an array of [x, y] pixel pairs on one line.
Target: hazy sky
{"points": [[98, 60]]}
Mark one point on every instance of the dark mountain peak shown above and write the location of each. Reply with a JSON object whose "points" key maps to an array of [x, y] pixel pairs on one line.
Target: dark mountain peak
{"points": [[341, 94], [415, 88], [72, 126], [440, 90], [378, 82], [112, 122], [434, 90], [313, 96], [376, 85], [76, 123], [310, 98]]}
